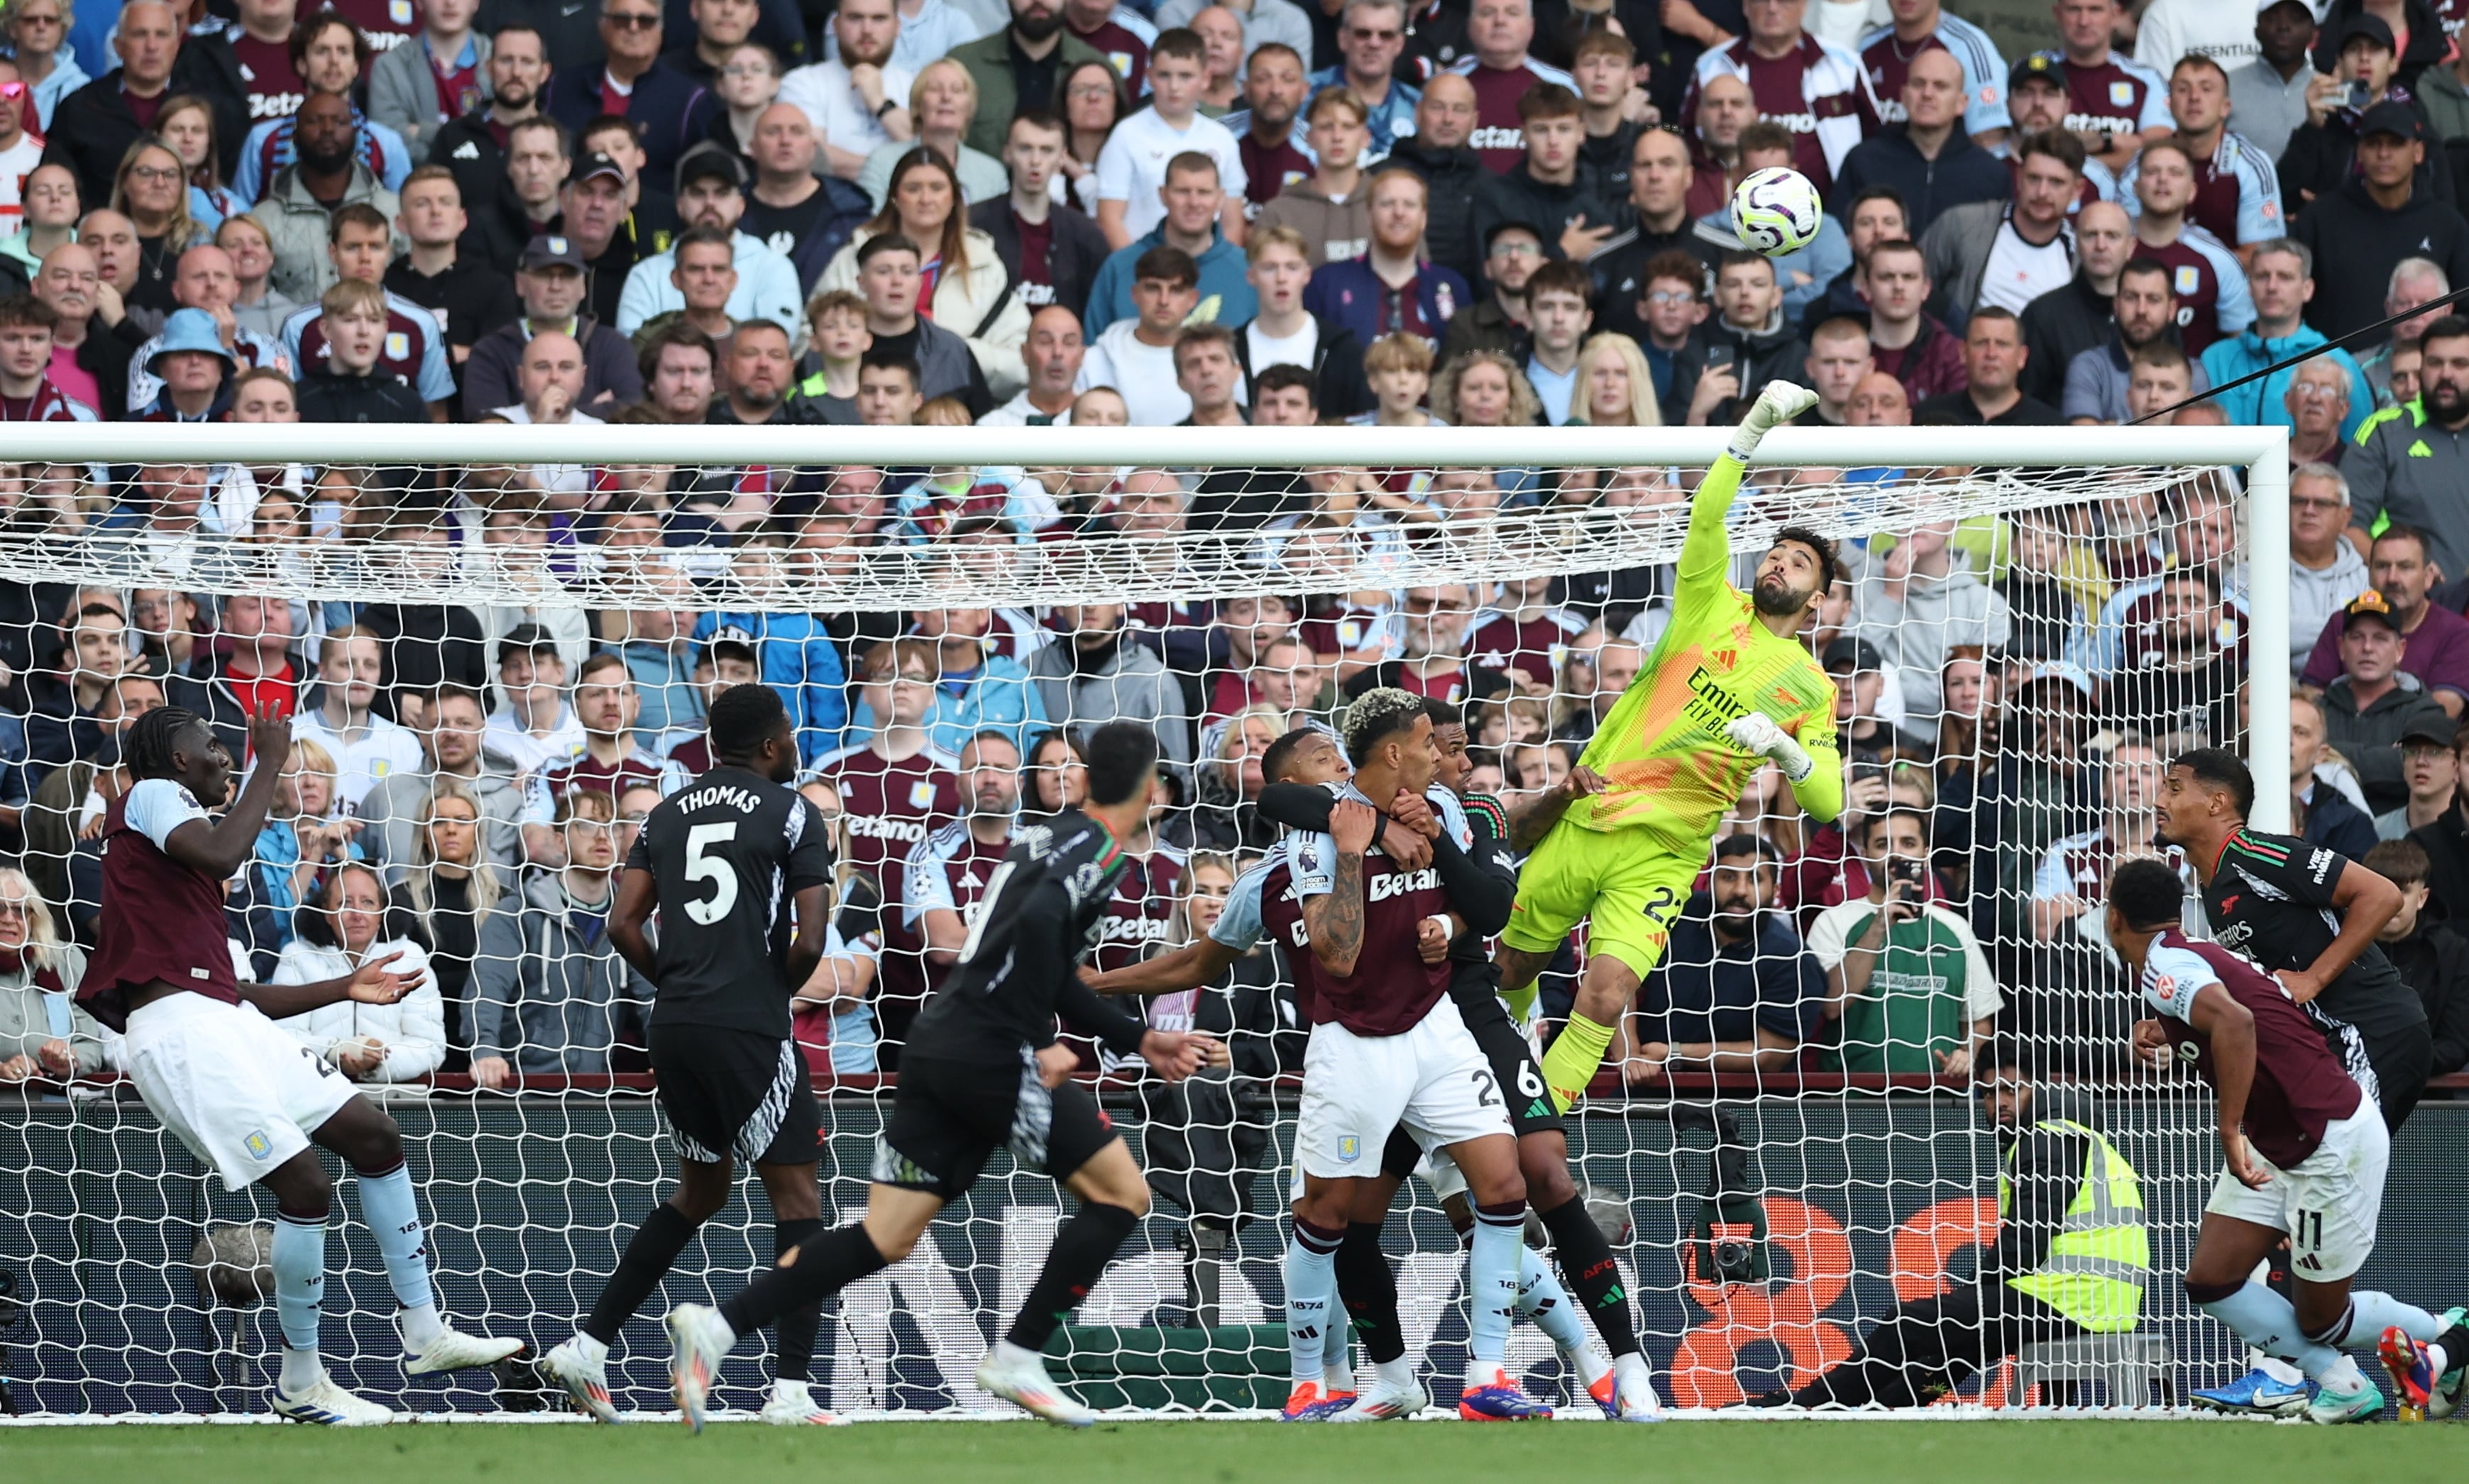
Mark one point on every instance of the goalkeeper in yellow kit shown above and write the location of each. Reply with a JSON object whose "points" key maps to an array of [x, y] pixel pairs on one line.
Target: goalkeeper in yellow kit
{"points": [[1727, 687]]}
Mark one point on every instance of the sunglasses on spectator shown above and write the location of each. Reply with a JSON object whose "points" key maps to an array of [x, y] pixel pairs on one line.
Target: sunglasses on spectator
{"points": [[632, 20]]}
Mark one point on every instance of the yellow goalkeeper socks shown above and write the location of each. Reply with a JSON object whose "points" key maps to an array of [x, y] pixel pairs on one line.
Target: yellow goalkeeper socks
{"points": [[1573, 1059]]}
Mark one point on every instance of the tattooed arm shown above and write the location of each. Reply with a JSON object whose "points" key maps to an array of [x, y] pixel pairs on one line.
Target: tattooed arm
{"points": [[1334, 919]]}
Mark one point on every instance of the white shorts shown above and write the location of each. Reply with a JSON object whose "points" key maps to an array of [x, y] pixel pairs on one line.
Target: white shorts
{"points": [[1432, 1080], [241, 1094], [2327, 1205]]}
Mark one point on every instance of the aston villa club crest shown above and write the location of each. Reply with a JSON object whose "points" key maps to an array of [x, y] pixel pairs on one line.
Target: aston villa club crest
{"points": [[2122, 94], [1349, 1149]]}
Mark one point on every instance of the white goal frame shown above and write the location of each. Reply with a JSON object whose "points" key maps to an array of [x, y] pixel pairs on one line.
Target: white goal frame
{"points": [[2262, 451]]}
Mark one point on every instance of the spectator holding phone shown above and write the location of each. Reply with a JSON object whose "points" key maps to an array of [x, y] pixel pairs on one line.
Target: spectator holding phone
{"points": [[1908, 988]]}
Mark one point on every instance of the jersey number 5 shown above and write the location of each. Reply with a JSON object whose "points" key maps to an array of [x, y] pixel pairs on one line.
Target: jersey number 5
{"points": [[701, 868]]}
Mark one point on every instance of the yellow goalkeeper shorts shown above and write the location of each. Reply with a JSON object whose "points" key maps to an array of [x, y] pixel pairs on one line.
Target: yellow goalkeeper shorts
{"points": [[1631, 888]]}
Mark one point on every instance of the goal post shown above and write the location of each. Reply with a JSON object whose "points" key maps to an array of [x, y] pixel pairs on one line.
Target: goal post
{"points": [[1850, 1183]]}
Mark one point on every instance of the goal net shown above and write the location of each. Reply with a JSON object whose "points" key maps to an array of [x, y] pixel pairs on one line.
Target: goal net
{"points": [[2025, 621]]}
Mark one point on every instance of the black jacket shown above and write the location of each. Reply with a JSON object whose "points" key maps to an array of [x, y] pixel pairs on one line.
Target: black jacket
{"points": [[1516, 196], [1620, 270], [1604, 162], [668, 109], [1452, 178], [1840, 299], [1484, 326], [1074, 250], [469, 299], [2058, 326], [1758, 357], [2446, 843], [105, 355], [206, 689], [611, 375], [569, 32], [1339, 388], [498, 226], [93, 126], [2348, 229], [813, 231], [2321, 159], [328, 396], [2434, 961], [1963, 171], [467, 147], [424, 645]]}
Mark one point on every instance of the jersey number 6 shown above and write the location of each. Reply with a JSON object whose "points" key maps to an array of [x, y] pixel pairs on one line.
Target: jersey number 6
{"points": [[701, 867]]}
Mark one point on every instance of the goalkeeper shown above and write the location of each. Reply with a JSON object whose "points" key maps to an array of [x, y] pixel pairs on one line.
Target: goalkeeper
{"points": [[1728, 685]]}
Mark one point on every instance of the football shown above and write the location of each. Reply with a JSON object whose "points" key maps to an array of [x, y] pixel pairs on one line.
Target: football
{"points": [[1776, 211]]}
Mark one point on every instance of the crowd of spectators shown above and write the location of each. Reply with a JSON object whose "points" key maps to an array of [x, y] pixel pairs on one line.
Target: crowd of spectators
{"points": [[1485, 213]]}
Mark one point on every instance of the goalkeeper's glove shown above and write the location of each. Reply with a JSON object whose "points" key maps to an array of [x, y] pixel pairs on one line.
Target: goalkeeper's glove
{"points": [[1757, 732], [1779, 404]]}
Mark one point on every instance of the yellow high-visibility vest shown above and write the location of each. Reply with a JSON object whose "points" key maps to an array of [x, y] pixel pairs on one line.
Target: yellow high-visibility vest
{"points": [[2096, 1266]]}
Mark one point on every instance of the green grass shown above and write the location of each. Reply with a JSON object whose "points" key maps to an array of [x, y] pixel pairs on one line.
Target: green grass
{"points": [[1759, 1452]]}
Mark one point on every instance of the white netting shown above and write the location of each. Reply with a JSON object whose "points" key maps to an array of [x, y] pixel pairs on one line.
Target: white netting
{"points": [[2008, 634]]}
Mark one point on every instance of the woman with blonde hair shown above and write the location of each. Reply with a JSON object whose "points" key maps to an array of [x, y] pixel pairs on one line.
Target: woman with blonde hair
{"points": [[973, 295], [401, 1042], [306, 835], [1484, 389], [151, 188], [42, 1033], [1614, 388], [445, 894], [1230, 780]]}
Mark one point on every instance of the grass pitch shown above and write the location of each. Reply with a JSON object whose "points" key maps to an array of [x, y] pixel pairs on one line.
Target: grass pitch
{"points": [[1203, 1453]]}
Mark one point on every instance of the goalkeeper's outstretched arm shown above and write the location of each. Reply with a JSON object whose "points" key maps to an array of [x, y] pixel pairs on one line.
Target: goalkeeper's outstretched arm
{"points": [[1705, 555]]}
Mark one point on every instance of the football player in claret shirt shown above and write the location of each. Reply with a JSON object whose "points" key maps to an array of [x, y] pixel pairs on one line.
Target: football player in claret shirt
{"points": [[242, 1096], [2304, 1155], [1389, 1049], [1728, 687], [739, 867], [985, 1071]]}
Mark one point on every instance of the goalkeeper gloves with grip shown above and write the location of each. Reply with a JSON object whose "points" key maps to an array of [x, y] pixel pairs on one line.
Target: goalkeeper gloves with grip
{"points": [[1779, 404], [1757, 732]]}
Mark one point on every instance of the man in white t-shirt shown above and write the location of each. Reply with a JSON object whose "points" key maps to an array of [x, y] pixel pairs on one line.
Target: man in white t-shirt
{"points": [[857, 101], [1283, 334], [366, 747], [1131, 169], [1136, 356]]}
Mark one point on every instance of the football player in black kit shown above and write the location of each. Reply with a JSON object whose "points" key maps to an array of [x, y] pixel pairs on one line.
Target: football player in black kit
{"points": [[724, 861], [983, 1070], [2309, 916]]}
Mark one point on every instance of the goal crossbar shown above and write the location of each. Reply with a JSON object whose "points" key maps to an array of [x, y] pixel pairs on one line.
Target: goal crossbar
{"points": [[1207, 569]]}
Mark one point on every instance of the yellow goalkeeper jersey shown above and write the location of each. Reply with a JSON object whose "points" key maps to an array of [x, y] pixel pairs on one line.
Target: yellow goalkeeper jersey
{"points": [[1667, 769]]}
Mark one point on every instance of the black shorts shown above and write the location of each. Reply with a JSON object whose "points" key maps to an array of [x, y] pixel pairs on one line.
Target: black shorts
{"points": [[1512, 1067], [948, 1116], [1477, 992], [736, 1092]]}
